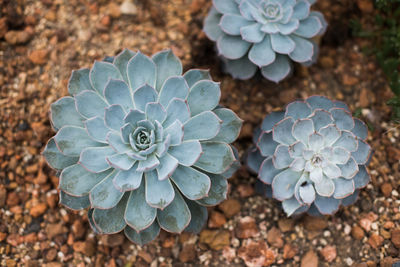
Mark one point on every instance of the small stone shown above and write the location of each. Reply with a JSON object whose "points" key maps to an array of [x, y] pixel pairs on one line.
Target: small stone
{"points": [[38, 57], [365, 6], [229, 253], [11, 263], [256, 254], [245, 190], [375, 241], [105, 21], [274, 237], [114, 10], [145, 256], [17, 37], [128, 8], [247, 228], [30, 238], [54, 229], [286, 225], [216, 240], [196, 6], [357, 232], [327, 62], [3, 26], [38, 210], [230, 207], [396, 237], [389, 262], [289, 251], [365, 223], [113, 240], [349, 80], [386, 189], [315, 223], [12, 199], [188, 253], [51, 254], [364, 98], [310, 259], [329, 253], [217, 219], [3, 195], [85, 247]]}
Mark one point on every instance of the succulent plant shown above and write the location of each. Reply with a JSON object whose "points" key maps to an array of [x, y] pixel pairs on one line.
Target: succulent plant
{"points": [[265, 35], [143, 146], [312, 156]]}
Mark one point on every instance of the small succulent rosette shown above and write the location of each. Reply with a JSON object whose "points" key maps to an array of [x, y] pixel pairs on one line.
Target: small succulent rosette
{"points": [[142, 146], [312, 157], [264, 34]]}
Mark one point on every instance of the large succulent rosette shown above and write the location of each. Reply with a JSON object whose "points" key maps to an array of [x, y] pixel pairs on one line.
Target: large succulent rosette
{"points": [[312, 156], [264, 34], [143, 146]]}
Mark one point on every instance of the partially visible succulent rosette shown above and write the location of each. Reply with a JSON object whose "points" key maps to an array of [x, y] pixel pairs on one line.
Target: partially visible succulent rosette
{"points": [[264, 34], [142, 145], [312, 157]]}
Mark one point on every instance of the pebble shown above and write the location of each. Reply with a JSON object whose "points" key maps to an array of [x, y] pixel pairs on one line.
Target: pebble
{"points": [[365, 223], [286, 225], [357, 232], [365, 6], [17, 37], [256, 254], [289, 251], [128, 8], [85, 247], [12, 199], [215, 239], [113, 240], [375, 241], [114, 10], [188, 253], [247, 228], [38, 57], [315, 223], [396, 237], [310, 259], [38, 210], [54, 229], [3, 195], [216, 220], [245, 190], [386, 189], [230, 207], [274, 237], [329, 253]]}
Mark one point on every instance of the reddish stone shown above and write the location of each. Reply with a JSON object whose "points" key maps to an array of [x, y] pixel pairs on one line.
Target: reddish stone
{"points": [[230, 207], [256, 253], [247, 228], [396, 237], [375, 241], [329, 253], [289, 251], [217, 219], [310, 259], [274, 237], [188, 253]]}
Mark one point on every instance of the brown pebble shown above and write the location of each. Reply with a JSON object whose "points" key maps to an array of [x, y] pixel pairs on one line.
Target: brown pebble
{"points": [[85, 247], [357, 232], [12, 199], [375, 241], [54, 229], [365, 223], [365, 6], [38, 57], [114, 10], [396, 237], [245, 190], [113, 240], [3, 195], [105, 21], [329, 253], [215, 239], [310, 259], [286, 225], [386, 189], [51, 254], [247, 228], [274, 237], [349, 80], [38, 210], [188, 253], [315, 223], [289, 251], [256, 253], [145, 256], [216, 220], [17, 37], [230, 207]]}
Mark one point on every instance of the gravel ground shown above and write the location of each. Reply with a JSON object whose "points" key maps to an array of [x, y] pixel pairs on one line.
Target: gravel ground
{"points": [[42, 41]]}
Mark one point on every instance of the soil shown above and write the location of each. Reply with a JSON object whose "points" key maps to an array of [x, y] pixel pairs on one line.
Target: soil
{"points": [[42, 41]]}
